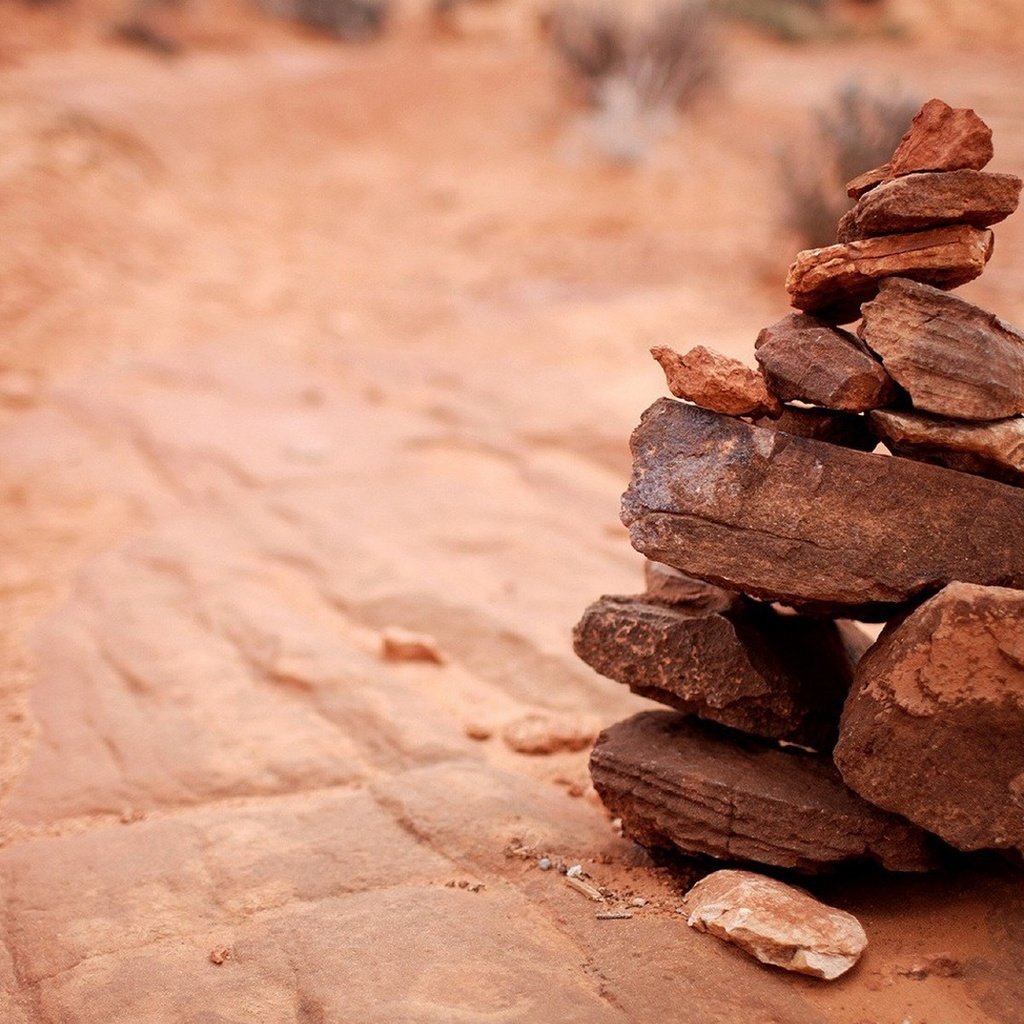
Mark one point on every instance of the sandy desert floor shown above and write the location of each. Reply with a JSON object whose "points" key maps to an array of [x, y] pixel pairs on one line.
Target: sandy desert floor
{"points": [[299, 341]]}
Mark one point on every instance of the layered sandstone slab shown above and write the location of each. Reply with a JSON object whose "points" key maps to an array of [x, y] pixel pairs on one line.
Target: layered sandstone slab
{"points": [[833, 282], [932, 199], [717, 382], [934, 727], [940, 138], [823, 528], [994, 449], [805, 359], [752, 668], [676, 782], [776, 923], [953, 358]]}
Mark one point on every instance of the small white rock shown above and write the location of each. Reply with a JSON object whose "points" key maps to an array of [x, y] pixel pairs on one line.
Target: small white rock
{"points": [[776, 923], [575, 871]]}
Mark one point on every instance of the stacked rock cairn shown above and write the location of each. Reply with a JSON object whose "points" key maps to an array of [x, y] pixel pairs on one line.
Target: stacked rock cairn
{"points": [[796, 741]]}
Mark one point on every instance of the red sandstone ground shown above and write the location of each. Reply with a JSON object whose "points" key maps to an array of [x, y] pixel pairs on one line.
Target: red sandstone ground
{"points": [[301, 341]]}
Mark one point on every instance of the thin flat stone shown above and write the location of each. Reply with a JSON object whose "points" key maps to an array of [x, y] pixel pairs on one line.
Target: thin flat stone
{"points": [[679, 783], [665, 585], [994, 449], [826, 529], [842, 428], [952, 358], [715, 381]]}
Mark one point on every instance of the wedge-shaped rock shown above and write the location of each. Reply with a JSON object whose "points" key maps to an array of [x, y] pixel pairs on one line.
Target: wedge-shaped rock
{"points": [[842, 428], [994, 449], [940, 138], [929, 200], [833, 282], [714, 381], [935, 726], [776, 923], [806, 359], [827, 529], [677, 782], [952, 358], [666, 585], [755, 669]]}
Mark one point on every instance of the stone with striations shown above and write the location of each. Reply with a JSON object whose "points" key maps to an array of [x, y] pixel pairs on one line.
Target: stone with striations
{"points": [[680, 783], [823, 528], [665, 585], [749, 667], [776, 923], [994, 449], [833, 282], [806, 359], [953, 358], [940, 138], [716, 382], [933, 727]]}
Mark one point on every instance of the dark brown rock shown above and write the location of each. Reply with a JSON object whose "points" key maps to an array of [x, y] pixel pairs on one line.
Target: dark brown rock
{"points": [[935, 725], [752, 668], [806, 359], [931, 199], [833, 282], [665, 585], [953, 358], [813, 525], [940, 138], [994, 449], [842, 428], [677, 782], [716, 382]]}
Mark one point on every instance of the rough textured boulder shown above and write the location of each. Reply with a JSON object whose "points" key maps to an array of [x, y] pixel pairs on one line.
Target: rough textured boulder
{"points": [[953, 358], [994, 449], [665, 585], [929, 200], [934, 726], [940, 138], [776, 923], [763, 672], [834, 281], [716, 382], [824, 528], [806, 359], [847, 430], [677, 782]]}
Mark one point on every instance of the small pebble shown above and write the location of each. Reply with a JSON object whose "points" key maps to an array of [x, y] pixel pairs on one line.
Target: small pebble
{"points": [[544, 863], [575, 871], [638, 901]]}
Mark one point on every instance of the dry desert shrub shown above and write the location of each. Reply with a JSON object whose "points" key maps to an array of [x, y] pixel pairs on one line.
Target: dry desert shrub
{"points": [[346, 19], [634, 74], [858, 131], [790, 20]]}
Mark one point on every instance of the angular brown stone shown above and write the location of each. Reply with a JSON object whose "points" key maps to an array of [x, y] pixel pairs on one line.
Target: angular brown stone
{"points": [[752, 668], [842, 428], [953, 358], [666, 585], [824, 528], [932, 199], [940, 138], [833, 282], [716, 382], [677, 782], [934, 727], [994, 449], [776, 923], [806, 359]]}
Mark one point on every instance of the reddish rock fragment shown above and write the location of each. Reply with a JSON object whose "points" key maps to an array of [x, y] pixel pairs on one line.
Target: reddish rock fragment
{"points": [[397, 644], [933, 727], [932, 199], [666, 585], [806, 359], [845, 429], [823, 528], [833, 282], [549, 733], [940, 138], [677, 782], [716, 382], [953, 358], [752, 668], [776, 923], [994, 449]]}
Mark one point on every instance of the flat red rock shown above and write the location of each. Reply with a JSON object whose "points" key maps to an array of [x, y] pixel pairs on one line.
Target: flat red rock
{"points": [[679, 783], [717, 382], [933, 729], [827, 529]]}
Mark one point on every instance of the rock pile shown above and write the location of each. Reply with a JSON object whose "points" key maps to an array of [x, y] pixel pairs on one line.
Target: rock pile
{"points": [[795, 741]]}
